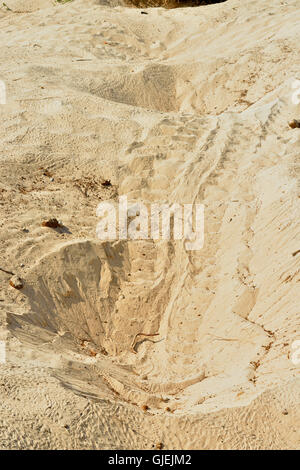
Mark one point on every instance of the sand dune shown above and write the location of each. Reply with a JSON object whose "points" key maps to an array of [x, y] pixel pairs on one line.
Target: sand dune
{"points": [[187, 106]]}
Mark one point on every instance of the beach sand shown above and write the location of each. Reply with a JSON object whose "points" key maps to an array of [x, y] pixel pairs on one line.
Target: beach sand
{"points": [[187, 106]]}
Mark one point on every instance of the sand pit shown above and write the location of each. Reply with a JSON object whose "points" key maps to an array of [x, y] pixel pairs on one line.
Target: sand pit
{"points": [[126, 344]]}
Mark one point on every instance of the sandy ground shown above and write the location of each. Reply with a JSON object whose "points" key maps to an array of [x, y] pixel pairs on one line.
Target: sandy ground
{"points": [[189, 106]]}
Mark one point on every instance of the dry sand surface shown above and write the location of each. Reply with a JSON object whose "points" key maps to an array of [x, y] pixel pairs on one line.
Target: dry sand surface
{"points": [[186, 105]]}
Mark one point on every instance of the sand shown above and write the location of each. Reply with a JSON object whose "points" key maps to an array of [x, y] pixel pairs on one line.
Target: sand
{"points": [[180, 105]]}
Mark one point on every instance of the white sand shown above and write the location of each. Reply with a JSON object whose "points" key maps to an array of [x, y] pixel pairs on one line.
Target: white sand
{"points": [[190, 106]]}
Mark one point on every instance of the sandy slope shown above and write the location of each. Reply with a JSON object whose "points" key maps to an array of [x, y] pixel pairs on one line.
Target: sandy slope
{"points": [[187, 106]]}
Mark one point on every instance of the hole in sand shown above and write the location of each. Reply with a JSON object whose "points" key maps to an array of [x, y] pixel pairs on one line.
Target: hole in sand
{"points": [[75, 290], [87, 304], [78, 312]]}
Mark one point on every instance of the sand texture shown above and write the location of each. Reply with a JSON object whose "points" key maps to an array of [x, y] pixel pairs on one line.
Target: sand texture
{"points": [[187, 106]]}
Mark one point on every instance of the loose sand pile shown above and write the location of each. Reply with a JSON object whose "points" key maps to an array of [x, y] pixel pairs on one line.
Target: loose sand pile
{"points": [[181, 105]]}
